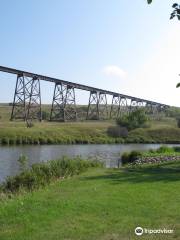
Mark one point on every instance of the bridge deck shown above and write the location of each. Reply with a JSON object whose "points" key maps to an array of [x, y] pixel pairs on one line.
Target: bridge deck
{"points": [[75, 85]]}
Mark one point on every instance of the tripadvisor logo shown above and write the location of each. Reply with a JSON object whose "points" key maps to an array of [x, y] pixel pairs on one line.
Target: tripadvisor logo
{"points": [[138, 231]]}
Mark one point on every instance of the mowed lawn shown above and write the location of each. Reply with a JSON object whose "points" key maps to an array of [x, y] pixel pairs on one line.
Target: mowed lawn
{"points": [[101, 204]]}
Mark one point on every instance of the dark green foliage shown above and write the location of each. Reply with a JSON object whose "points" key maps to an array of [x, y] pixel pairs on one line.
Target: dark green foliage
{"points": [[177, 85], [133, 120], [42, 174], [176, 149], [130, 157], [173, 112], [117, 131], [175, 13], [178, 122], [45, 115]]}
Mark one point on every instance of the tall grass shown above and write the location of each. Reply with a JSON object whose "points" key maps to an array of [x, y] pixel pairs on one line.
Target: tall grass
{"points": [[42, 174]]}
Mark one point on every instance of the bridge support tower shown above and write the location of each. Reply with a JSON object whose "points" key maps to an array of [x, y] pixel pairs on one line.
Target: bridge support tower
{"points": [[119, 107], [63, 104], [27, 99], [97, 107]]}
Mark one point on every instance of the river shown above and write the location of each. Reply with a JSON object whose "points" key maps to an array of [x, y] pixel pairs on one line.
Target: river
{"points": [[108, 153]]}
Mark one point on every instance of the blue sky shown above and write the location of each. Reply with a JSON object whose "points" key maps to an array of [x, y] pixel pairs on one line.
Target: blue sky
{"points": [[128, 48]]}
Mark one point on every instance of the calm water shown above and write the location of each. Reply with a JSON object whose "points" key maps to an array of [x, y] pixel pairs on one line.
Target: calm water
{"points": [[108, 153]]}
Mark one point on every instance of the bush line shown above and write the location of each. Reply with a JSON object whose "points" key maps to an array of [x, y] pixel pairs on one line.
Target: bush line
{"points": [[41, 174]]}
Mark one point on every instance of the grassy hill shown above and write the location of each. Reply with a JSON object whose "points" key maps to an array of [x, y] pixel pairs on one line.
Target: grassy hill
{"points": [[164, 130]]}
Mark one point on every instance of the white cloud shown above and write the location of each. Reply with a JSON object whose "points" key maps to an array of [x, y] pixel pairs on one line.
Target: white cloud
{"points": [[113, 70]]}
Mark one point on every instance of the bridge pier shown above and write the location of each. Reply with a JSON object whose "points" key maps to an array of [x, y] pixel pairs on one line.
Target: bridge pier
{"points": [[119, 106], [124, 109], [115, 107], [27, 99], [97, 107], [103, 109], [93, 106], [63, 104]]}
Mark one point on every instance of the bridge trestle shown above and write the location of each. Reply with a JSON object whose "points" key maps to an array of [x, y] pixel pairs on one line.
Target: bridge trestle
{"points": [[63, 104], [115, 107], [27, 99]]}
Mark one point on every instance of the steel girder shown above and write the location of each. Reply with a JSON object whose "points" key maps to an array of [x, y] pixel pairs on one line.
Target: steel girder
{"points": [[63, 104], [27, 99]]}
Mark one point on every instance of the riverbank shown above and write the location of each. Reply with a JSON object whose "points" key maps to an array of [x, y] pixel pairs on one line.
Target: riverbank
{"points": [[87, 132], [99, 204], [151, 156]]}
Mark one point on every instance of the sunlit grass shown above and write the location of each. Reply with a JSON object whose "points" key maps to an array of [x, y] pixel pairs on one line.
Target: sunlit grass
{"points": [[100, 204]]}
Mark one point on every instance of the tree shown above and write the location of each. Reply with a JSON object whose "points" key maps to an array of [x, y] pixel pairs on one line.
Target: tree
{"points": [[176, 10], [133, 120]]}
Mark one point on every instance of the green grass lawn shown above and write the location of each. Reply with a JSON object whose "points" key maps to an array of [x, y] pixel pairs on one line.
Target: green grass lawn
{"points": [[101, 204]]}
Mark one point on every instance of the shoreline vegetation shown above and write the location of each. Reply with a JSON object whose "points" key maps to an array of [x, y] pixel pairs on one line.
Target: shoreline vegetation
{"points": [[90, 132], [152, 156], [42, 174]]}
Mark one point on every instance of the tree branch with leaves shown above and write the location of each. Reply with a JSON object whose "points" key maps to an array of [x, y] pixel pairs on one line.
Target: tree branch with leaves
{"points": [[176, 10]]}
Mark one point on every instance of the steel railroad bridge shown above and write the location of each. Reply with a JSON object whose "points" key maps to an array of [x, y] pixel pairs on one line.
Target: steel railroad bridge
{"points": [[27, 99]]}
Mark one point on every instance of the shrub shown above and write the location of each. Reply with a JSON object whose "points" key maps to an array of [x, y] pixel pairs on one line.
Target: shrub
{"points": [[5, 140], [178, 122], [125, 158], [116, 131], [130, 157], [45, 115], [173, 112], [176, 149], [134, 120], [165, 149]]}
